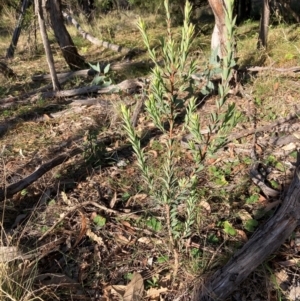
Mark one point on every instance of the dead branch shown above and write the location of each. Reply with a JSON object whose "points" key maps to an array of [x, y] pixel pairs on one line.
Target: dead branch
{"points": [[282, 70], [94, 40], [265, 128], [17, 100], [289, 11], [67, 75], [50, 60], [12, 189], [127, 86], [17, 31], [268, 238]]}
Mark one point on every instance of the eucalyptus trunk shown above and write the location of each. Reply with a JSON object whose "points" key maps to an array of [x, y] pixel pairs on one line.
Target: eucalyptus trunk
{"points": [[69, 51], [264, 25]]}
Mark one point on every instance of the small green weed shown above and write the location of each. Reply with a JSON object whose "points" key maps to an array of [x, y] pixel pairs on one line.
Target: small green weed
{"points": [[252, 199], [217, 175], [152, 283], [128, 276], [99, 221], [228, 228], [24, 192], [101, 78], [125, 196], [272, 160], [250, 225], [212, 238], [154, 224], [163, 259]]}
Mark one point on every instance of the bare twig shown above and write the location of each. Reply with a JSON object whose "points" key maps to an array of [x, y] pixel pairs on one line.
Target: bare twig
{"points": [[265, 128]]}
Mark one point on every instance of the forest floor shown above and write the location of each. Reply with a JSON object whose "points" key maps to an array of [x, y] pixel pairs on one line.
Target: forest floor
{"points": [[88, 229]]}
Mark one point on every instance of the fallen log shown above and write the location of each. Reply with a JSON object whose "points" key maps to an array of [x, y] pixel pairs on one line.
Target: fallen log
{"points": [[127, 86], [65, 75], [17, 100], [94, 40], [280, 70], [267, 239]]}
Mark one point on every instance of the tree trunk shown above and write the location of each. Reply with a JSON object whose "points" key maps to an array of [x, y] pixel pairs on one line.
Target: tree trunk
{"points": [[264, 25], [39, 12], [11, 50], [218, 38], [69, 51], [268, 238]]}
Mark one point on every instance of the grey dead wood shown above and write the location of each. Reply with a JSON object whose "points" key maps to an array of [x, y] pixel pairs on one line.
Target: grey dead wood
{"points": [[137, 110], [265, 241], [265, 128], [127, 86], [49, 56], [281, 70], [12, 101], [286, 6], [94, 40], [77, 106]]}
